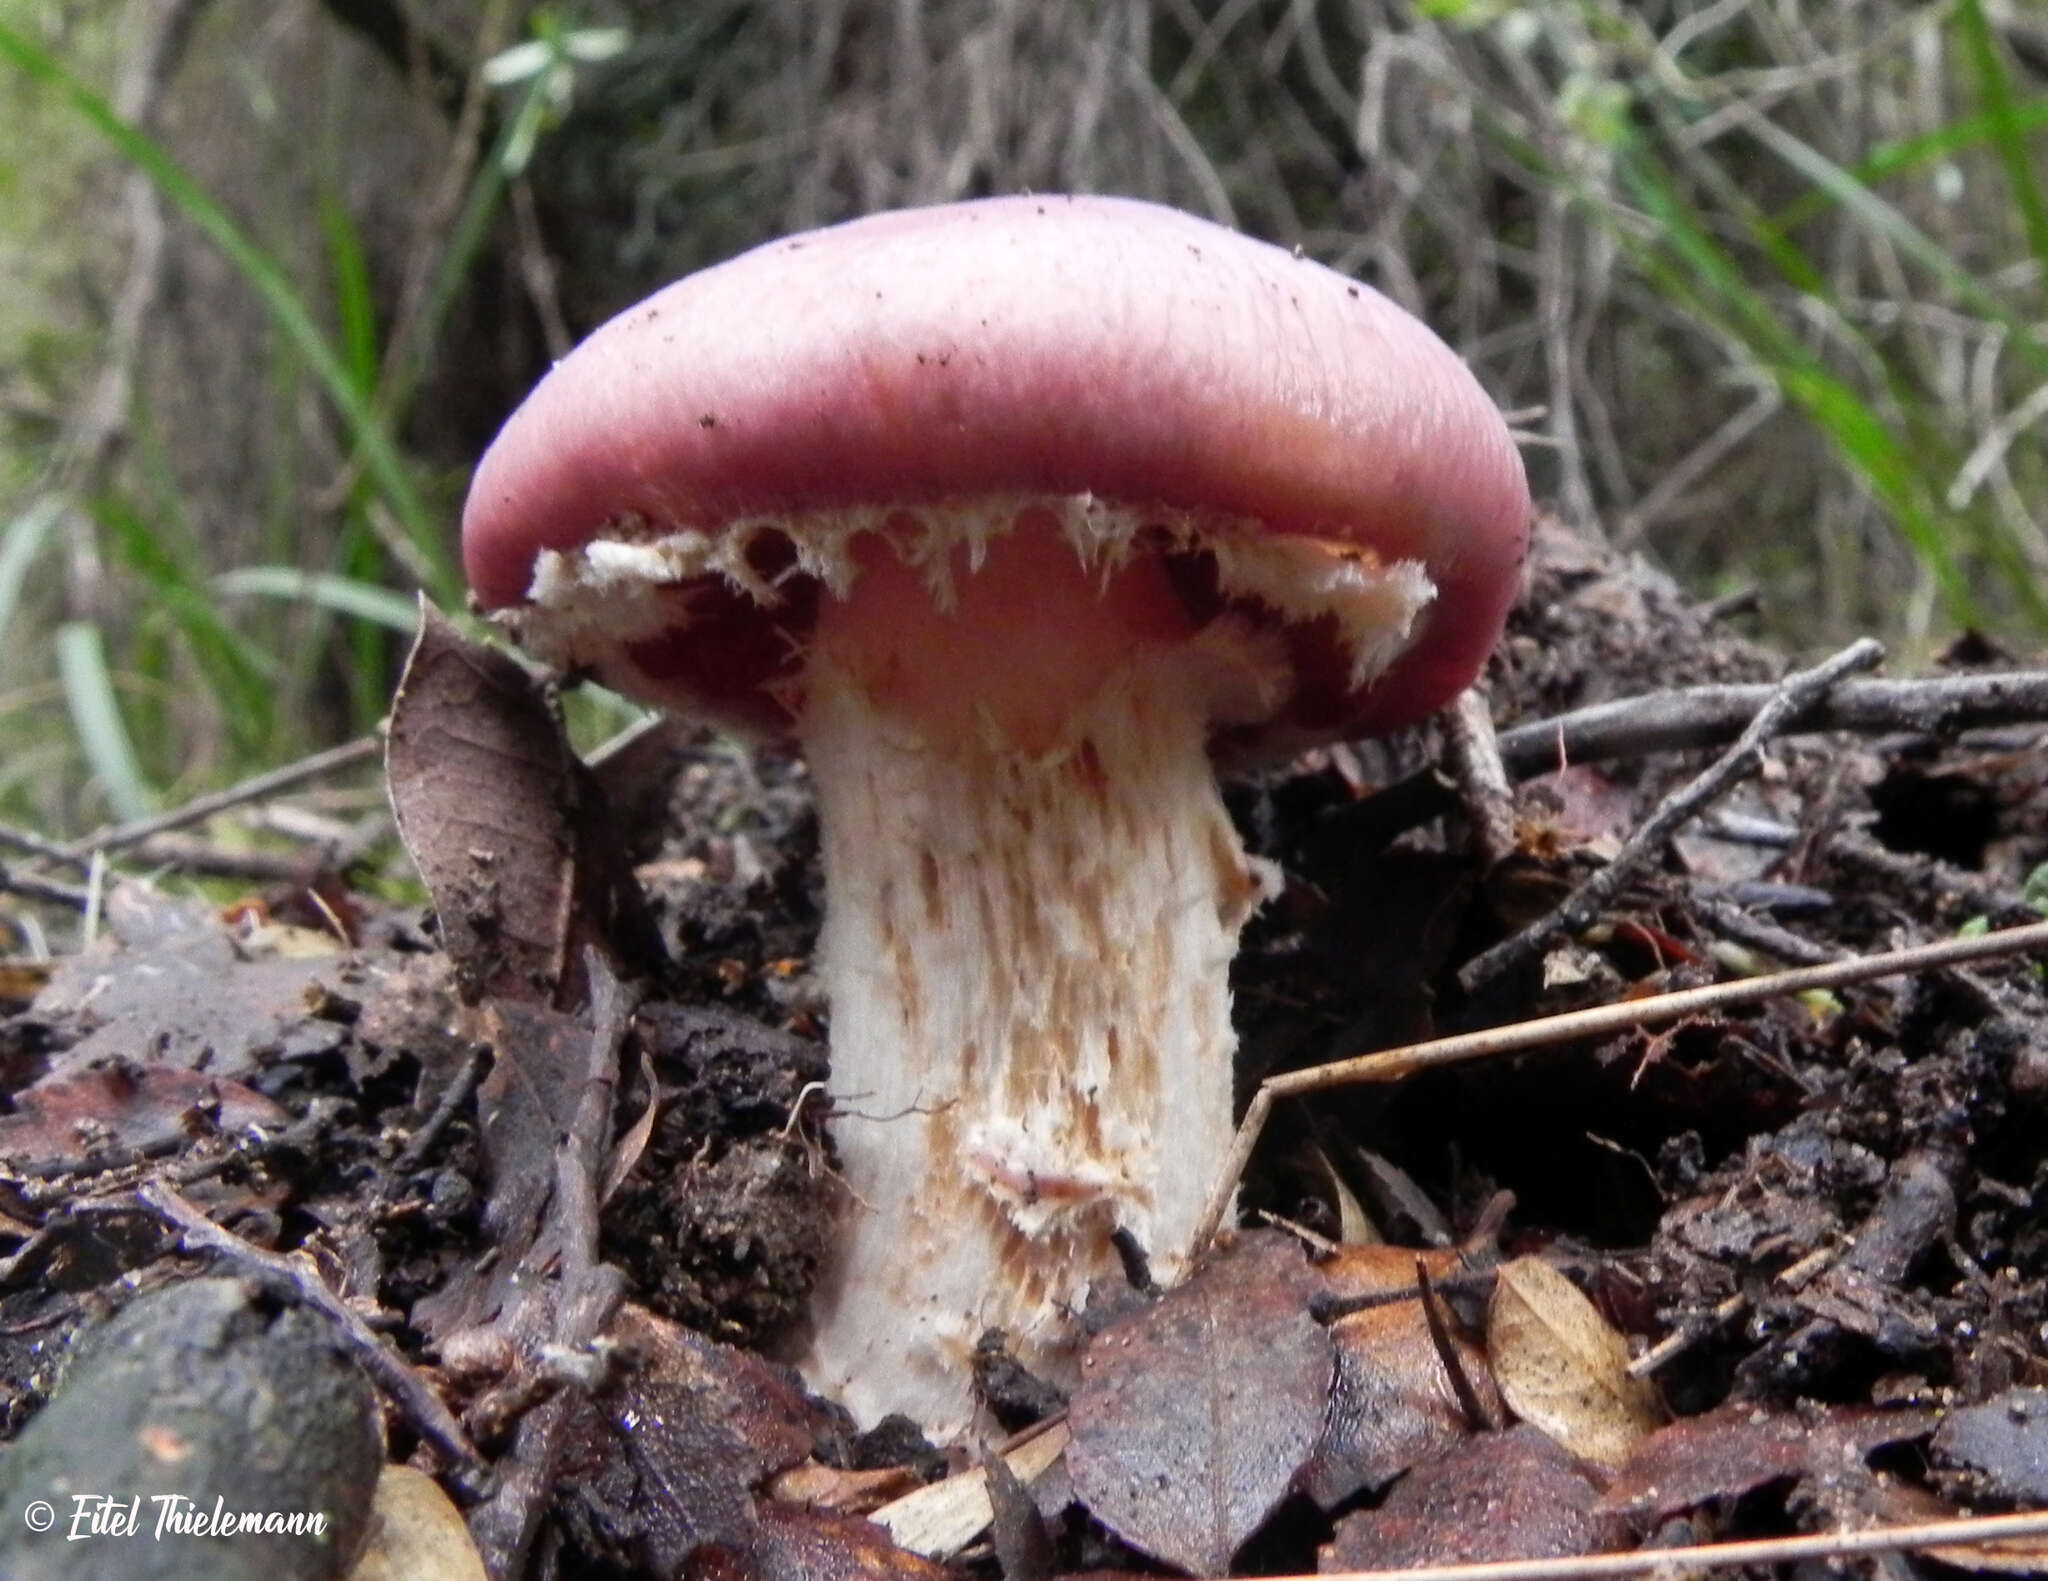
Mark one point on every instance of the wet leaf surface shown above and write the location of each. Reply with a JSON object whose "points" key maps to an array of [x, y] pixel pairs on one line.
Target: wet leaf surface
{"points": [[1197, 1416]]}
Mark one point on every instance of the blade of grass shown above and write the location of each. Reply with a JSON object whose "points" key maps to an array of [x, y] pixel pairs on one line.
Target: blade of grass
{"points": [[340, 595], [264, 275], [20, 543], [1904, 155], [1994, 87], [1883, 219], [359, 554], [1713, 284], [348, 273], [96, 719], [239, 674]]}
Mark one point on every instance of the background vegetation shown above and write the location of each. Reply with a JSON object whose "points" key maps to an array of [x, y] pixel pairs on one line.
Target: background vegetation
{"points": [[1766, 281]]}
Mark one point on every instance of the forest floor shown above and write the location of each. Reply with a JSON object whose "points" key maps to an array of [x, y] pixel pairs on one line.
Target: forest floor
{"points": [[555, 1167]]}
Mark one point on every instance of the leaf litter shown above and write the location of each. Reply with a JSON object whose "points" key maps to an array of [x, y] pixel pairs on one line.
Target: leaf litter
{"points": [[562, 1138]]}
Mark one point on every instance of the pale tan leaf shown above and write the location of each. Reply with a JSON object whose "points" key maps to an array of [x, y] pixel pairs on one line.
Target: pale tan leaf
{"points": [[1563, 1368], [416, 1534]]}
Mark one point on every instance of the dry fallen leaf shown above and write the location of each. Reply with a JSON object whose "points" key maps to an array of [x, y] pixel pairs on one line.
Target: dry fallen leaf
{"points": [[1561, 1367], [1902, 1504], [123, 1108], [1512, 1495], [506, 826], [1392, 1404], [1731, 1450], [416, 1534], [1197, 1416]]}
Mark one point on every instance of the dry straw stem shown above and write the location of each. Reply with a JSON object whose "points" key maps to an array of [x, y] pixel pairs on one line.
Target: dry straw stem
{"points": [[1399, 1063], [1673, 1562]]}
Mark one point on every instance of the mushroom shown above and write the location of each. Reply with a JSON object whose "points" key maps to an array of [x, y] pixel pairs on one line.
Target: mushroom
{"points": [[1012, 512]]}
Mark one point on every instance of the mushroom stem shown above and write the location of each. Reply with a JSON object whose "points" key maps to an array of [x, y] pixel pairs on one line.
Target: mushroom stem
{"points": [[1032, 916]]}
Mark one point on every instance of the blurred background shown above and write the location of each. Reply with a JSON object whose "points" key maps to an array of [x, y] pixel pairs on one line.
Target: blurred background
{"points": [[1764, 282]]}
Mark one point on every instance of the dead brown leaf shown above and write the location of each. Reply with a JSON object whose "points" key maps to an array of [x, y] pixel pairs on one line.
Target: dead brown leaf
{"points": [[169, 985], [1902, 1504], [1563, 1368], [1512, 1495], [1198, 1415], [123, 1109], [1729, 1451], [1392, 1403], [506, 826], [672, 1453], [793, 1544]]}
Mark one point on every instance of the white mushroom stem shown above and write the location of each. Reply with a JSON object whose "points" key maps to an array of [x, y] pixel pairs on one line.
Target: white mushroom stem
{"points": [[1034, 894], [1027, 955]]}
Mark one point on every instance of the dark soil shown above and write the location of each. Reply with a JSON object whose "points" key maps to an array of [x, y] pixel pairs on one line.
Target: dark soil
{"points": [[1865, 1170]]}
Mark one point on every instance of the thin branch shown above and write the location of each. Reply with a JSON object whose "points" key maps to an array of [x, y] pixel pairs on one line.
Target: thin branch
{"points": [[332, 761], [1399, 1063], [1479, 779], [1585, 903], [1707, 716], [29, 843], [584, 1293], [454, 1098], [50, 890], [295, 1279], [1973, 1531], [1759, 933]]}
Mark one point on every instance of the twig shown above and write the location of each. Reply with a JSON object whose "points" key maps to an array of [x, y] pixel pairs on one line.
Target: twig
{"points": [[76, 896], [29, 843], [295, 1280], [333, 760], [585, 1293], [1972, 1531], [1398, 1063], [537, 271], [1929, 875], [1585, 903], [1472, 754], [1707, 716], [457, 1093], [1759, 933], [1477, 1417], [1680, 1340]]}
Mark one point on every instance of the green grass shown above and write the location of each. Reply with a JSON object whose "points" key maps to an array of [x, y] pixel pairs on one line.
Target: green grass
{"points": [[1789, 248], [219, 670]]}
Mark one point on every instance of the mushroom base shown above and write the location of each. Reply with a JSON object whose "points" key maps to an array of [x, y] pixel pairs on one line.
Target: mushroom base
{"points": [[1027, 953]]}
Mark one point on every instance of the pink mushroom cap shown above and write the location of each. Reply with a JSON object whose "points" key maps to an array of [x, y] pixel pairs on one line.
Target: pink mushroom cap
{"points": [[1030, 346]]}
